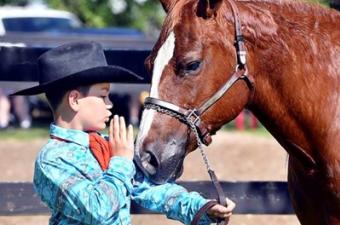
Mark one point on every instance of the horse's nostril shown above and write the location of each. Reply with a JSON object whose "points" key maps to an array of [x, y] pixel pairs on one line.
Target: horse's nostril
{"points": [[149, 162], [153, 160], [146, 157]]}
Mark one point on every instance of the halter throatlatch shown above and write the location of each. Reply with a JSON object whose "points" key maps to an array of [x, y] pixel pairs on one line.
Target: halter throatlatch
{"points": [[192, 117]]}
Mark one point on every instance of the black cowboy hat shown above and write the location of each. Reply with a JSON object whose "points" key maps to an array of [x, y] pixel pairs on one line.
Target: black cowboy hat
{"points": [[75, 64]]}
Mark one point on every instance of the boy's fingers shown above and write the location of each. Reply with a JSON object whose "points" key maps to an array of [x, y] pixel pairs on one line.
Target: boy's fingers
{"points": [[222, 215], [231, 204], [221, 209], [130, 134], [122, 128], [111, 130], [115, 128]]}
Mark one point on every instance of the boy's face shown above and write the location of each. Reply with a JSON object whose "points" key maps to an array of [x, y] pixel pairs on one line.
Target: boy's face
{"points": [[94, 109]]}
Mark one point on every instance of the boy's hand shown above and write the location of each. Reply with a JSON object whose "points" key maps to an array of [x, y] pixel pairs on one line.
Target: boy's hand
{"points": [[222, 212], [121, 141]]}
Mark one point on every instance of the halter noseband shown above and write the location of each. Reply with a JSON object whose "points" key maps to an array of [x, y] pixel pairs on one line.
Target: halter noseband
{"points": [[192, 117]]}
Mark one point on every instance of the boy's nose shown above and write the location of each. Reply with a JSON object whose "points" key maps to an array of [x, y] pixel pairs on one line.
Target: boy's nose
{"points": [[109, 104]]}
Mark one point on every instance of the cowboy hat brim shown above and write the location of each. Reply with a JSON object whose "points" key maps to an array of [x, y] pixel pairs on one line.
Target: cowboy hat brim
{"points": [[110, 74]]}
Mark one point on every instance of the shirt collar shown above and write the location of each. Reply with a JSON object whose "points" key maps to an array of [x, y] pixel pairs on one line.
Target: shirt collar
{"points": [[76, 136]]}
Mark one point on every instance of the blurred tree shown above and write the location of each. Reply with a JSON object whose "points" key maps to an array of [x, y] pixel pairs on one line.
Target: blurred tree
{"points": [[335, 4], [323, 2], [145, 15]]}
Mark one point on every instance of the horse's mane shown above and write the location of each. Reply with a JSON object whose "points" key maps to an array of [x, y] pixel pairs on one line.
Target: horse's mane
{"points": [[266, 16], [297, 6], [298, 12], [277, 21]]}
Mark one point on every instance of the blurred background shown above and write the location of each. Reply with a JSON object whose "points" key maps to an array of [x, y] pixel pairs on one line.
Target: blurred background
{"points": [[28, 28]]}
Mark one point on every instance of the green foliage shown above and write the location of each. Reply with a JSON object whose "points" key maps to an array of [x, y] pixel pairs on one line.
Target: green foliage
{"points": [[323, 2], [99, 13]]}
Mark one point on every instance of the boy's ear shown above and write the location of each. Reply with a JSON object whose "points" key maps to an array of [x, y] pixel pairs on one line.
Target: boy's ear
{"points": [[72, 97]]}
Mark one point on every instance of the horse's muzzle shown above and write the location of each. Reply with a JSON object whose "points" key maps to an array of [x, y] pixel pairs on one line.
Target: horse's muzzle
{"points": [[157, 171]]}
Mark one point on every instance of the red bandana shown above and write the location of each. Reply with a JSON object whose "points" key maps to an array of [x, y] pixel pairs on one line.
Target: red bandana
{"points": [[101, 150]]}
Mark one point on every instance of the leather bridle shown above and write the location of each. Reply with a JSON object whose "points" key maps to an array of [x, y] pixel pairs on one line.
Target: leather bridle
{"points": [[192, 117]]}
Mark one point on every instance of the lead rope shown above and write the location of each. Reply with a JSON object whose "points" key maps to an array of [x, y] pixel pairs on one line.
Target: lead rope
{"points": [[213, 178]]}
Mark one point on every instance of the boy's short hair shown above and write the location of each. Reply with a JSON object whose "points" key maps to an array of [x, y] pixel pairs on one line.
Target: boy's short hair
{"points": [[55, 97]]}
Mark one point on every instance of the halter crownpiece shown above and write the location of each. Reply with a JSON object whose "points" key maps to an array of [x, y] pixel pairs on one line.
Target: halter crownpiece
{"points": [[239, 40]]}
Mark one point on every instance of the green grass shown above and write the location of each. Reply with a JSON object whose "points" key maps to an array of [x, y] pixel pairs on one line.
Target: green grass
{"points": [[41, 131], [24, 134], [260, 131]]}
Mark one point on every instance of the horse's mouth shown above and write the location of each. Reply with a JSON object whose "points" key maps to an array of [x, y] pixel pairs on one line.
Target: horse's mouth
{"points": [[168, 172], [161, 178]]}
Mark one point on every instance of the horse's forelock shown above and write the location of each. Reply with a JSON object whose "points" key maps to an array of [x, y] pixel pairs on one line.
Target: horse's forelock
{"points": [[179, 9]]}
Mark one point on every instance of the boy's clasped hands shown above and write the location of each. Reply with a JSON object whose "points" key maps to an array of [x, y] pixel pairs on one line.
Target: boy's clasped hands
{"points": [[122, 143]]}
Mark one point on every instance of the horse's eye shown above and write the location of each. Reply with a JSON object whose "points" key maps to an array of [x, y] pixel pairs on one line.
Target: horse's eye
{"points": [[190, 68]]}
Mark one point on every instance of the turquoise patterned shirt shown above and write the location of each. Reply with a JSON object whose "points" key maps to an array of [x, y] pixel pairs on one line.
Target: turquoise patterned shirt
{"points": [[69, 180]]}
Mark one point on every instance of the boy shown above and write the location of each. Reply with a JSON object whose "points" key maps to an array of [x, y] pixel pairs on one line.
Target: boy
{"points": [[83, 178]]}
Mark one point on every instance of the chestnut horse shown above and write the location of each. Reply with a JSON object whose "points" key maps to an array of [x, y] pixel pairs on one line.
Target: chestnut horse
{"points": [[291, 82]]}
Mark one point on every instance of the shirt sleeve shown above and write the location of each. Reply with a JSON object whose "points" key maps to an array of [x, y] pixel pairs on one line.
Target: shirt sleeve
{"points": [[66, 185], [170, 199]]}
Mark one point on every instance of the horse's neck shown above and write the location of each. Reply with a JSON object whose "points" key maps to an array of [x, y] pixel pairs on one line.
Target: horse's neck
{"points": [[297, 78]]}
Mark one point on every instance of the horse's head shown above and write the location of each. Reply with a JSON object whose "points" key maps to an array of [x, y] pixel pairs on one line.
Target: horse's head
{"points": [[192, 59]]}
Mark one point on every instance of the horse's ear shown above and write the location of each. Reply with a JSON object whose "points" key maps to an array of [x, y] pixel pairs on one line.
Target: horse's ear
{"points": [[167, 4], [208, 8]]}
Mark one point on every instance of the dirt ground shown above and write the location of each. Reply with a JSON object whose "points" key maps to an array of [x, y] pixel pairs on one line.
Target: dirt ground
{"points": [[234, 156]]}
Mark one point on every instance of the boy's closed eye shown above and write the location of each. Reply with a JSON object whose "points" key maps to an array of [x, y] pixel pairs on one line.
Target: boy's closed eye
{"points": [[104, 94]]}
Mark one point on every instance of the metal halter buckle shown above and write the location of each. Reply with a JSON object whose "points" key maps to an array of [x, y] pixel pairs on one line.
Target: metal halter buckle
{"points": [[193, 117]]}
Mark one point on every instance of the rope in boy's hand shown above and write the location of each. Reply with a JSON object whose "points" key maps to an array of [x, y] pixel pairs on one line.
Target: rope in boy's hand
{"points": [[120, 139], [218, 213]]}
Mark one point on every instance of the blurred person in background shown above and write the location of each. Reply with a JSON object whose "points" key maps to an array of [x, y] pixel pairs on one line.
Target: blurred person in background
{"points": [[5, 107], [244, 118], [14, 108]]}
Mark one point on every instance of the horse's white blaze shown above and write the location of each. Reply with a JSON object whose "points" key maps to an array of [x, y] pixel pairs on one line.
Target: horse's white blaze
{"points": [[164, 55]]}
